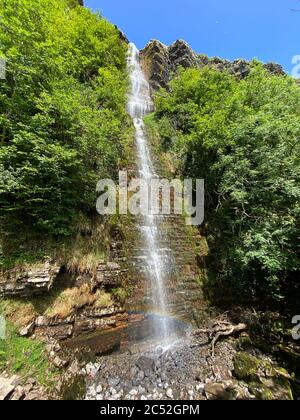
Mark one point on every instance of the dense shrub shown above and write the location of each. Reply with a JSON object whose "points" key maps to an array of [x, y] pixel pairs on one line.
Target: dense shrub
{"points": [[242, 137], [62, 113]]}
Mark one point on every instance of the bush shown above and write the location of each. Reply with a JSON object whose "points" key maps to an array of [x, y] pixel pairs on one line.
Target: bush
{"points": [[62, 113], [242, 137]]}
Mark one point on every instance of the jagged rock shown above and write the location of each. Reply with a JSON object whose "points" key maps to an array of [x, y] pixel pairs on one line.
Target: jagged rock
{"points": [[156, 64], [53, 347], [60, 332], [181, 54], [215, 391], [42, 321], [28, 282], [133, 392], [10, 389], [275, 69], [113, 382], [18, 394], [105, 312], [161, 62], [7, 386], [59, 362], [27, 331], [54, 328]]}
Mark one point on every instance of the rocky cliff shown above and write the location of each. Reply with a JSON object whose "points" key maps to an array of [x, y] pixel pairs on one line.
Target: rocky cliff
{"points": [[160, 62]]}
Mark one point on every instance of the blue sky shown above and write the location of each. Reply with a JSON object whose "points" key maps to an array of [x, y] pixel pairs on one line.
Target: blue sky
{"points": [[265, 29]]}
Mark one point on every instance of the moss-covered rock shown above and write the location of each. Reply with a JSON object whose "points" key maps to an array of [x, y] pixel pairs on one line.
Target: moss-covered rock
{"points": [[272, 389], [260, 391], [265, 381], [245, 366]]}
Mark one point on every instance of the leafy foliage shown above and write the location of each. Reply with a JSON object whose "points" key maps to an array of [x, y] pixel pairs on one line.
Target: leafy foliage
{"points": [[242, 137], [62, 113]]}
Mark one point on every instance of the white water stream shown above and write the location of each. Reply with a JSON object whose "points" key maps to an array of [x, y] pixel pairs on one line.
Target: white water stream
{"points": [[139, 105]]}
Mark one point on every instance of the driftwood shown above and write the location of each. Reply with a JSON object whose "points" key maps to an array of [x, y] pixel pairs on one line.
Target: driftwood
{"points": [[221, 329]]}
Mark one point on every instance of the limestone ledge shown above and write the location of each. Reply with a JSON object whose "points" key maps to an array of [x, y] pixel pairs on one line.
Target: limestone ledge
{"points": [[25, 282]]}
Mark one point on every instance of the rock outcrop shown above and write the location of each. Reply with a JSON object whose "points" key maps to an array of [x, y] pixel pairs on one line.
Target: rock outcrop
{"points": [[181, 54], [122, 36], [28, 282], [156, 64], [12, 388], [110, 275], [265, 381], [161, 62]]}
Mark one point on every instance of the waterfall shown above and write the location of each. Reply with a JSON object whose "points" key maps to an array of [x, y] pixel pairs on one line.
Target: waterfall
{"points": [[139, 104]]}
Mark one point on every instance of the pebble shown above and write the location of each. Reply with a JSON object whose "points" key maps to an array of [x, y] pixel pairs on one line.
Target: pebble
{"points": [[133, 392], [140, 376], [92, 392], [113, 381], [169, 393]]}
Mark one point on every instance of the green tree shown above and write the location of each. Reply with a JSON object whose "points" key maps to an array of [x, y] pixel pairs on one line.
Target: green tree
{"points": [[242, 137], [62, 113]]}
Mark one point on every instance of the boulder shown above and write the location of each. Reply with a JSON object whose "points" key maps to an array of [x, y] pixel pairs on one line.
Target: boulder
{"points": [[224, 391], [246, 366], [265, 381], [27, 331], [145, 363], [7, 387]]}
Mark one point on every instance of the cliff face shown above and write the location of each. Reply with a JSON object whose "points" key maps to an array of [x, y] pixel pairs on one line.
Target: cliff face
{"points": [[160, 62]]}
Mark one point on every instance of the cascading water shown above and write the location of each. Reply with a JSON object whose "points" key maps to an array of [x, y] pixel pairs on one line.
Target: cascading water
{"points": [[139, 104]]}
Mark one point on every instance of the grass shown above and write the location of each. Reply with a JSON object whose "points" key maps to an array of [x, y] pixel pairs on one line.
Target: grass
{"points": [[59, 304], [26, 358], [80, 252], [120, 294], [69, 301], [19, 312], [103, 300]]}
